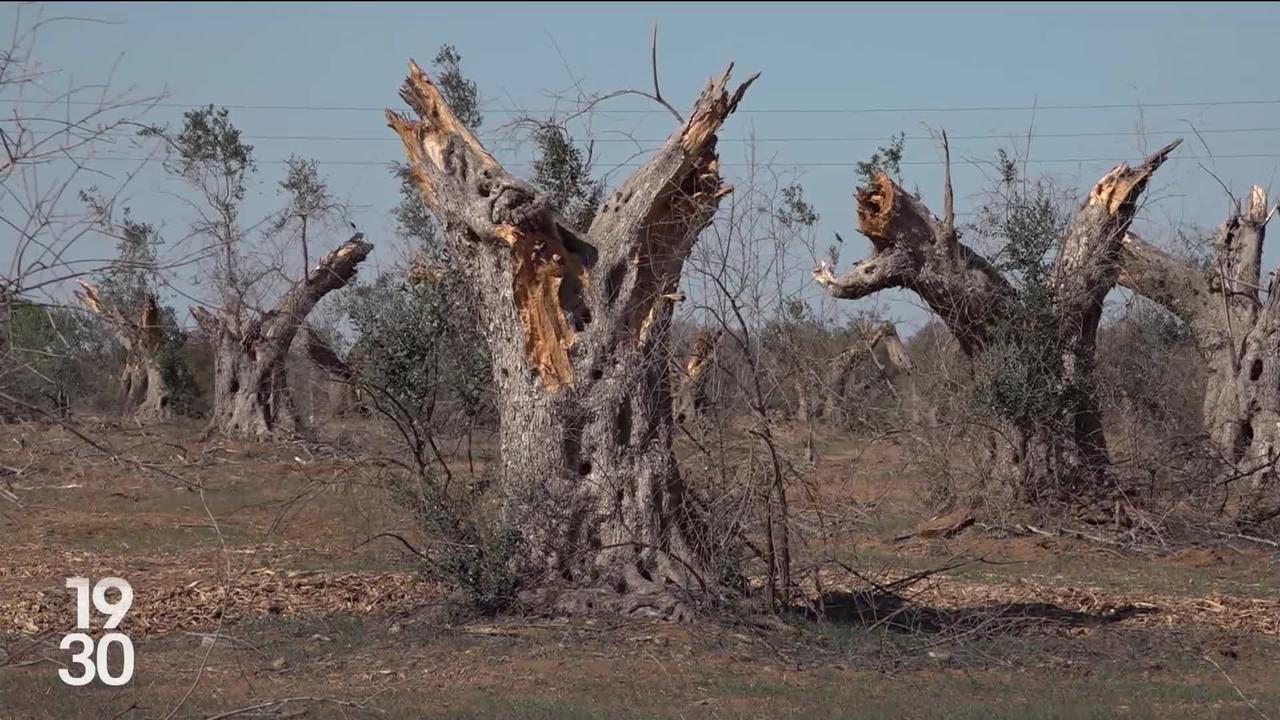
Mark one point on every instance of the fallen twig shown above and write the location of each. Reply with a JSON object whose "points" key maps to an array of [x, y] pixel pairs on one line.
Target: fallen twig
{"points": [[1250, 538], [1253, 705]]}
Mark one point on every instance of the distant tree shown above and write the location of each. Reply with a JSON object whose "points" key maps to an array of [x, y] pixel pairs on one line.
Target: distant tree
{"points": [[1045, 315], [48, 345], [886, 159], [155, 379], [308, 201], [210, 156], [251, 392], [51, 134], [563, 171]]}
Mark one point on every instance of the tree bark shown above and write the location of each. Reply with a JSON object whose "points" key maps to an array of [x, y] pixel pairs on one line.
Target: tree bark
{"points": [[1236, 330], [913, 249], [145, 395], [577, 325], [1084, 272], [251, 390]]}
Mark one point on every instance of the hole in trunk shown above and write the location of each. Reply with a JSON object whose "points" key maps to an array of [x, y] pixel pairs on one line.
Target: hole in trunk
{"points": [[613, 281], [571, 445], [622, 423], [1245, 440], [581, 319], [1255, 369], [584, 468]]}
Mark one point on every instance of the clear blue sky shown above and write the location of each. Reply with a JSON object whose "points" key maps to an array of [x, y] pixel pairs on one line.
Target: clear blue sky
{"points": [[813, 58]]}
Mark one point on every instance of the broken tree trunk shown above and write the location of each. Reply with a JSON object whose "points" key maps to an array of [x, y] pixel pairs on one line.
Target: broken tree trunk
{"points": [[882, 346], [913, 249], [144, 393], [1235, 328], [1084, 271], [577, 325], [345, 395], [691, 380], [250, 388]]}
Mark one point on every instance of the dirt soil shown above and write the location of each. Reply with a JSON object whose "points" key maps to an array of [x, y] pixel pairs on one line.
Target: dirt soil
{"points": [[265, 587]]}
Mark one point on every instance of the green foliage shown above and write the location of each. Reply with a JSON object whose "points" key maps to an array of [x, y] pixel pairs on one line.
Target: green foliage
{"points": [[563, 171], [418, 347], [482, 569], [459, 91], [795, 211], [184, 390], [399, 332], [127, 284], [474, 560], [416, 350], [1024, 383], [46, 345], [307, 192], [414, 222], [210, 146], [886, 159], [131, 277]]}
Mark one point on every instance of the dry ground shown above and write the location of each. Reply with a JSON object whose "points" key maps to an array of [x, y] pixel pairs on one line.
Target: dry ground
{"points": [[257, 595]]}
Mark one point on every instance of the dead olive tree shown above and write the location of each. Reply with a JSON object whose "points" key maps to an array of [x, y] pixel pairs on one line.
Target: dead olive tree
{"points": [[250, 387], [915, 250], [140, 331], [1235, 325], [576, 325], [880, 344], [51, 138], [251, 395]]}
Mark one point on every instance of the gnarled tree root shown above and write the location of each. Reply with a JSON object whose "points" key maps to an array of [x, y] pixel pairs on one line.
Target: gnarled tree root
{"points": [[635, 596]]}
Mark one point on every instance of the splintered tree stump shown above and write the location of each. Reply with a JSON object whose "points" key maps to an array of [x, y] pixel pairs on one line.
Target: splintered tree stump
{"points": [[1236, 329], [250, 388], [145, 394], [915, 250], [577, 325]]}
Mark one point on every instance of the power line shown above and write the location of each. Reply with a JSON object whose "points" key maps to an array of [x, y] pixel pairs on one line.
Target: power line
{"points": [[882, 138], [762, 111], [819, 163]]}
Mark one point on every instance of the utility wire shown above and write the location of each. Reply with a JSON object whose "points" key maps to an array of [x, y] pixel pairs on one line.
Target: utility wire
{"points": [[762, 111]]}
